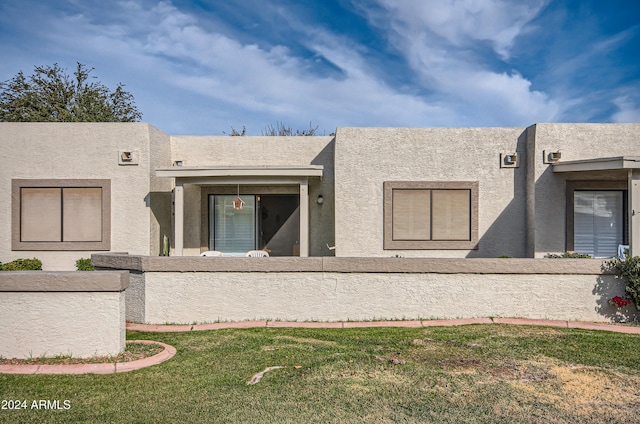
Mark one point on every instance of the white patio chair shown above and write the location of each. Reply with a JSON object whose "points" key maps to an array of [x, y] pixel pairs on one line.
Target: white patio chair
{"points": [[257, 254], [212, 253], [622, 249]]}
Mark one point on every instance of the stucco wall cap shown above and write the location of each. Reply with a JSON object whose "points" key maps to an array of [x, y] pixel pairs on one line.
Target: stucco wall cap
{"points": [[64, 281], [353, 265]]}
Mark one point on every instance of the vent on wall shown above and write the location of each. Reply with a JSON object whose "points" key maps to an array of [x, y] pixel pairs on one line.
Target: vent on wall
{"points": [[551, 156], [128, 157], [509, 160]]}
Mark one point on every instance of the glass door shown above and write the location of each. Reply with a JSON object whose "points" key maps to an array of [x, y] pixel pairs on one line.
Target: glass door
{"points": [[598, 222], [232, 230], [270, 222]]}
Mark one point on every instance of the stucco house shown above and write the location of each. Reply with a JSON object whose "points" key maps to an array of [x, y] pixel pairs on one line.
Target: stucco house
{"points": [[72, 189]]}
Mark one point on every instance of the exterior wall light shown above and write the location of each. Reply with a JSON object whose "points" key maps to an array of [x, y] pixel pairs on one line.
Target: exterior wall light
{"points": [[320, 199], [177, 163]]}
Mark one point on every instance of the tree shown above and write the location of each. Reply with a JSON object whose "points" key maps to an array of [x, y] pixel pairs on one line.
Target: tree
{"points": [[52, 95], [282, 130]]}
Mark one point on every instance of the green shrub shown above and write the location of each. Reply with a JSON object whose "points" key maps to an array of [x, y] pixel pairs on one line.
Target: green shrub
{"points": [[568, 255], [22, 265], [629, 269], [84, 264], [504, 257]]}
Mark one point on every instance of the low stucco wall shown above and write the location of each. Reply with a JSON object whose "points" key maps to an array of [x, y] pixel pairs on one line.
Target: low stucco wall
{"points": [[189, 290], [62, 313]]}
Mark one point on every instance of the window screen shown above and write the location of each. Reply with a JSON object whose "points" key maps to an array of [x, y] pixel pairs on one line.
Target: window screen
{"points": [[430, 215]]}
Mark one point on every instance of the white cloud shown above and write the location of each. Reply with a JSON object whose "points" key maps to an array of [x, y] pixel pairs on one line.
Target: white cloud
{"points": [[463, 22], [442, 43], [249, 78], [186, 67], [627, 111]]}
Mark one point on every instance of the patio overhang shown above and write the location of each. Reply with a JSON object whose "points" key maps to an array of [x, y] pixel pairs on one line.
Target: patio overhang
{"points": [[598, 164], [630, 167], [246, 172], [254, 175]]}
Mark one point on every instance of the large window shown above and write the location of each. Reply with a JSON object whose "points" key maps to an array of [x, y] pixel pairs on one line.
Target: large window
{"points": [[61, 214], [430, 215]]}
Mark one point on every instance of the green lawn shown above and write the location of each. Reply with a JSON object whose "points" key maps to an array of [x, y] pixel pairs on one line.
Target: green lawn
{"points": [[479, 373]]}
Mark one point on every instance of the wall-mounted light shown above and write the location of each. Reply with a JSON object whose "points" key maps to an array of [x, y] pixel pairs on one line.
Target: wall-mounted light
{"points": [[177, 163], [320, 199]]}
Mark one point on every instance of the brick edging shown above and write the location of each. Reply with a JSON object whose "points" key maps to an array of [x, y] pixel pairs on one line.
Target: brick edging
{"points": [[108, 368], [162, 328]]}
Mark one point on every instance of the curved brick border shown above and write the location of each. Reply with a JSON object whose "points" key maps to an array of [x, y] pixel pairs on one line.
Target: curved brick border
{"points": [[170, 351], [108, 368]]}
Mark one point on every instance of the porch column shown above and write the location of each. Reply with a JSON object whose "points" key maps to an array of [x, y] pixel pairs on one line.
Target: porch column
{"points": [[304, 218], [633, 191], [178, 230]]}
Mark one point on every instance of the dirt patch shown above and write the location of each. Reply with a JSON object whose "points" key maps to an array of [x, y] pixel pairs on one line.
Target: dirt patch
{"points": [[392, 359], [307, 340], [591, 390]]}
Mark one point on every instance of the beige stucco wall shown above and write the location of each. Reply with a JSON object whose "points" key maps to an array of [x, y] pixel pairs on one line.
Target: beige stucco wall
{"points": [[159, 198], [62, 313], [575, 142], [260, 151], [79, 151], [197, 289], [367, 157], [208, 297]]}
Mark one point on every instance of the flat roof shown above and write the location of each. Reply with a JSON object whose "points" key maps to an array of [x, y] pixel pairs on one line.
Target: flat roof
{"points": [[241, 171], [598, 164]]}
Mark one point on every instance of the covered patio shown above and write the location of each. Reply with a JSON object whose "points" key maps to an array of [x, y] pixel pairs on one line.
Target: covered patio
{"points": [[221, 185], [603, 175]]}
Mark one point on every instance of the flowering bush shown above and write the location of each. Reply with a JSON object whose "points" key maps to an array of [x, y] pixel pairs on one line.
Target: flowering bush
{"points": [[629, 270], [619, 302]]}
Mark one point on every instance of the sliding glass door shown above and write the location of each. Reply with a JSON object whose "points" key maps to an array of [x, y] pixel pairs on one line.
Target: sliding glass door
{"points": [[270, 222], [598, 222], [232, 230]]}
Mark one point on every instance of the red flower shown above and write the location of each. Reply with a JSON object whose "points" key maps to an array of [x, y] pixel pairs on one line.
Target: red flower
{"points": [[619, 302]]}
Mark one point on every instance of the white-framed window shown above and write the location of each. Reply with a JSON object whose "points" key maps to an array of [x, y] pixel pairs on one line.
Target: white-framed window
{"points": [[597, 218], [61, 214], [430, 214]]}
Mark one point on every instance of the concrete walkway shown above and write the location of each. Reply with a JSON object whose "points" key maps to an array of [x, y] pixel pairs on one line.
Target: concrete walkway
{"points": [[170, 351]]}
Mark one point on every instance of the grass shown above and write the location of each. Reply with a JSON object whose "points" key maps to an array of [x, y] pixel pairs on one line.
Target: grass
{"points": [[472, 374]]}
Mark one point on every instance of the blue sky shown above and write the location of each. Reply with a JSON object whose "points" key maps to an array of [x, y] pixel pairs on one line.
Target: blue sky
{"points": [[202, 67]]}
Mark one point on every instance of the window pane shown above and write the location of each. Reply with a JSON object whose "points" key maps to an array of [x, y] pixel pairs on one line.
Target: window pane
{"points": [[451, 214], [82, 214], [234, 229], [411, 214], [40, 214], [598, 222]]}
